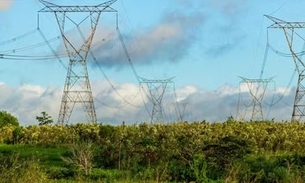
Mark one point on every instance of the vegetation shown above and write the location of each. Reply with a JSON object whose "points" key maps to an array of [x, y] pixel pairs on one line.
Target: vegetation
{"points": [[7, 119], [45, 119], [230, 151]]}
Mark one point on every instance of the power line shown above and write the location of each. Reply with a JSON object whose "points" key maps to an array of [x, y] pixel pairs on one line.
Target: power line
{"points": [[104, 74], [116, 107], [149, 96], [27, 57], [77, 87], [289, 32], [53, 51], [110, 83], [127, 54], [26, 48], [285, 54], [156, 89], [280, 7], [18, 37], [131, 63]]}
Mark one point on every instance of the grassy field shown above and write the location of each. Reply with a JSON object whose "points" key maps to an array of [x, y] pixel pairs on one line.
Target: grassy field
{"points": [[231, 151], [57, 171], [47, 156]]}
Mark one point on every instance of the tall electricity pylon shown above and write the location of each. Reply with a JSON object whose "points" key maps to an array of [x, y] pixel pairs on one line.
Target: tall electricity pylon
{"points": [[77, 87], [156, 90], [298, 113], [257, 89]]}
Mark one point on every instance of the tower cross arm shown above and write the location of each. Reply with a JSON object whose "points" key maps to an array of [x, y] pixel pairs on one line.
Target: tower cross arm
{"points": [[156, 81], [46, 3], [278, 23], [267, 80], [106, 4], [104, 7]]}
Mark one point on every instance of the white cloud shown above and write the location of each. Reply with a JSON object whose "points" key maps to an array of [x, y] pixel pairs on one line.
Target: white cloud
{"points": [[30, 91], [168, 40], [130, 105], [27, 101], [283, 90], [183, 93]]}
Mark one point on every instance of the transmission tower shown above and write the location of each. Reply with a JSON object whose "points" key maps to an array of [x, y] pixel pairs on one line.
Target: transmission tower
{"points": [[288, 28], [77, 87], [257, 89], [242, 109], [156, 90]]}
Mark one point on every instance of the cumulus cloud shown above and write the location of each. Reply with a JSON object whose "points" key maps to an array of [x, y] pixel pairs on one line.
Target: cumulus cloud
{"points": [[130, 104], [169, 40], [5, 4], [218, 105], [174, 35], [27, 101]]}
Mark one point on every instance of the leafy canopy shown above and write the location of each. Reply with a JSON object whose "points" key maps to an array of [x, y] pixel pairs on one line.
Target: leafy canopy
{"points": [[7, 119], [45, 119]]}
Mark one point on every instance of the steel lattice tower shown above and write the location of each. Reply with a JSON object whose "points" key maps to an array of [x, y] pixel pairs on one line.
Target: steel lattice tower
{"points": [[156, 90], [257, 89], [288, 28], [77, 87]]}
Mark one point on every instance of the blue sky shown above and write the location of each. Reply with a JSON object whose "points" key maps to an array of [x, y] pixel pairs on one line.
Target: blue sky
{"points": [[205, 45]]}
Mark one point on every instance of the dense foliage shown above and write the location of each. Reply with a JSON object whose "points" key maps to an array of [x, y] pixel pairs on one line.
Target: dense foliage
{"points": [[44, 119], [7, 119], [180, 152]]}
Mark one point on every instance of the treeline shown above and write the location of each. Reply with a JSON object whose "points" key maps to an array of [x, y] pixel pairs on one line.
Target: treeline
{"points": [[262, 136], [183, 151]]}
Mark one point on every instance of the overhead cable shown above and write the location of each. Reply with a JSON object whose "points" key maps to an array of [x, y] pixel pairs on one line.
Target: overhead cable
{"points": [[18, 37]]}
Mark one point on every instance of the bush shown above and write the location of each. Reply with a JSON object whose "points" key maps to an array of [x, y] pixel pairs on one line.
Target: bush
{"points": [[107, 175], [61, 173], [14, 169], [221, 156], [273, 169]]}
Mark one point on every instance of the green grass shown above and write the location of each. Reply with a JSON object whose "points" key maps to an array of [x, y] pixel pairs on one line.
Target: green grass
{"points": [[48, 156]]}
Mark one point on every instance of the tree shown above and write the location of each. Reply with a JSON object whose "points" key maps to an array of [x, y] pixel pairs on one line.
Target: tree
{"points": [[45, 119], [220, 156], [17, 134], [7, 119], [81, 156]]}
